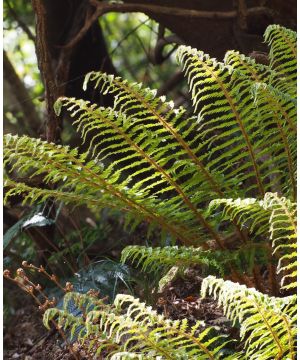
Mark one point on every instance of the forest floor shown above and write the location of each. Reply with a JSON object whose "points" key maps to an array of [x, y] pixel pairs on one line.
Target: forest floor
{"points": [[25, 337]]}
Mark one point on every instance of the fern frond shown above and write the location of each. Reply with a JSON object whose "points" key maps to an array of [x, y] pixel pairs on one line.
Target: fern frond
{"points": [[150, 334], [73, 173], [131, 329], [258, 72], [248, 213], [143, 156], [156, 115], [268, 324], [274, 218], [283, 231], [274, 106], [154, 259], [283, 52], [231, 124]]}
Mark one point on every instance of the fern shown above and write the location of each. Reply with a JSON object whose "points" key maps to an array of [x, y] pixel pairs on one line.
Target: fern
{"points": [[240, 114], [268, 324], [160, 165], [273, 217], [154, 259], [130, 328], [283, 52]]}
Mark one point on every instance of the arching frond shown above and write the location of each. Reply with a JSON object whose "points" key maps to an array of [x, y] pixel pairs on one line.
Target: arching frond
{"points": [[154, 259], [268, 324], [77, 178], [131, 328], [234, 125], [283, 53], [170, 126], [283, 231], [274, 217]]}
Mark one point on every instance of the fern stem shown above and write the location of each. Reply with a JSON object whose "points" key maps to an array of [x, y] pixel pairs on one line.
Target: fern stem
{"points": [[258, 279], [273, 279], [235, 276]]}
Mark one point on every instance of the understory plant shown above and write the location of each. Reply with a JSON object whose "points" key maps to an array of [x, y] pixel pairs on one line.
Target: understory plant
{"points": [[221, 183]]}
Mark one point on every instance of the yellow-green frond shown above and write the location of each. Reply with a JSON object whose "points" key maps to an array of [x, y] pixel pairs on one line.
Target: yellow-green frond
{"points": [[267, 324]]}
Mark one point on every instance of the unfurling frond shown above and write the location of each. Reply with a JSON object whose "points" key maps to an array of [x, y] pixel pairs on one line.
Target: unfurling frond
{"points": [[268, 324]]}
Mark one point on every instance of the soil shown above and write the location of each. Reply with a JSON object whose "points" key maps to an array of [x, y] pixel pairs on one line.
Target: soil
{"points": [[180, 299], [26, 338]]}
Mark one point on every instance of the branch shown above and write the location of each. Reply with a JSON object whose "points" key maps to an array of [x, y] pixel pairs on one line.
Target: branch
{"points": [[53, 124], [104, 7], [32, 120], [170, 83]]}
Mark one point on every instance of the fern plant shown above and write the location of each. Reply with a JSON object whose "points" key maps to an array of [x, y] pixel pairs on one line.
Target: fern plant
{"points": [[160, 165], [222, 182], [130, 329]]}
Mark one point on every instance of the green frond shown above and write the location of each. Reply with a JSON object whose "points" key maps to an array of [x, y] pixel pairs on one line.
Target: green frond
{"points": [[75, 177], [275, 108], [150, 334], [258, 72], [131, 329], [283, 231], [248, 213], [274, 218], [142, 156], [167, 126], [268, 324], [154, 259], [283, 51], [226, 100]]}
